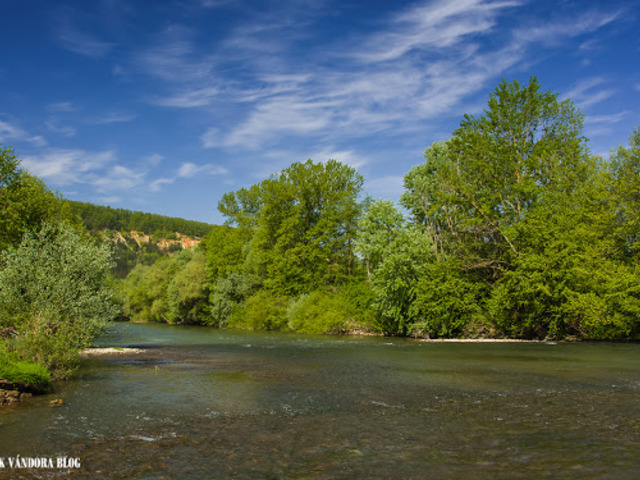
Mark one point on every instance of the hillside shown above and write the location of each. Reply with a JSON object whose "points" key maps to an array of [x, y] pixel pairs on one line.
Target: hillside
{"points": [[138, 237], [98, 217]]}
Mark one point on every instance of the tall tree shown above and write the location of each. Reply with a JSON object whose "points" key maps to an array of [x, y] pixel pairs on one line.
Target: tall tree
{"points": [[302, 224], [25, 201]]}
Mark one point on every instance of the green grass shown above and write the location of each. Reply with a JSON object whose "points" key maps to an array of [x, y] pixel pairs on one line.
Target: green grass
{"points": [[32, 375]]}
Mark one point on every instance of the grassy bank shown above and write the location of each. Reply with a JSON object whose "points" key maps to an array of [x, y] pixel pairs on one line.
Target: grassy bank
{"points": [[16, 374]]}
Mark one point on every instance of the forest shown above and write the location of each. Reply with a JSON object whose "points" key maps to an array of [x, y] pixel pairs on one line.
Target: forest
{"points": [[509, 228], [98, 217]]}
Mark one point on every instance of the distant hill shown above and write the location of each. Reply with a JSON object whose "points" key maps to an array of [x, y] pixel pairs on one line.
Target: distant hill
{"points": [[98, 217], [138, 237]]}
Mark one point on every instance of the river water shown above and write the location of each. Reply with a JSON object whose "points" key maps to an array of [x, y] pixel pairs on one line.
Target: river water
{"points": [[200, 403]]}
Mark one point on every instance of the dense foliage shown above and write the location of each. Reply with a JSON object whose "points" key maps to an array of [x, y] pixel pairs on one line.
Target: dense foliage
{"points": [[522, 220], [55, 296], [285, 261], [514, 229], [54, 292], [25, 201]]}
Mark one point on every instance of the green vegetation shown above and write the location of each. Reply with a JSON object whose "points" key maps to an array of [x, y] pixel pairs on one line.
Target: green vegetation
{"points": [[136, 237], [30, 376], [25, 201], [97, 217], [174, 290], [514, 230], [54, 290], [55, 296]]}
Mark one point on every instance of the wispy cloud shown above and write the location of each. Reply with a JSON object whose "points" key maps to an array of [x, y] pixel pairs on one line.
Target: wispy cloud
{"points": [[83, 43], [198, 97], [61, 107], [606, 119], [173, 57], [589, 92], [426, 61], [189, 170], [114, 117], [66, 167], [157, 184], [435, 25], [154, 159], [552, 32], [119, 177], [13, 132], [55, 125]]}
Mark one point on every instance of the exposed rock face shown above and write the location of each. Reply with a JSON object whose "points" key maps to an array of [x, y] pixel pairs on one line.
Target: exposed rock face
{"points": [[141, 239]]}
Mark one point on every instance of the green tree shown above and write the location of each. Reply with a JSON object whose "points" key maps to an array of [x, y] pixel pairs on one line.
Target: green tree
{"points": [[521, 219], [625, 190], [395, 279], [377, 228], [225, 249], [228, 295], [301, 224], [54, 293], [526, 144], [25, 202], [426, 190], [188, 292]]}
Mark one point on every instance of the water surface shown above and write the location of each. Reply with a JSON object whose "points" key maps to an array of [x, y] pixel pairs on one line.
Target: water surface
{"points": [[202, 403]]}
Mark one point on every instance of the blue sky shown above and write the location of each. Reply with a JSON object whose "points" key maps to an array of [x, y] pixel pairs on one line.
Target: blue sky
{"points": [[163, 106]]}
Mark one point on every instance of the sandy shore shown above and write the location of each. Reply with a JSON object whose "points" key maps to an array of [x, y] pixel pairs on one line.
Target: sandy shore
{"points": [[91, 352], [481, 340]]}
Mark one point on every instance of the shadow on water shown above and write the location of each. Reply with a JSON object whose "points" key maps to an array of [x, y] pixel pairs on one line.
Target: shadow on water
{"points": [[202, 403]]}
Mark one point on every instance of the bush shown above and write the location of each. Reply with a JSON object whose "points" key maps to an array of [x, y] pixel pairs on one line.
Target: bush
{"points": [[54, 293], [262, 311], [228, 294], [188, 291], [318, 312], [447, 301]]}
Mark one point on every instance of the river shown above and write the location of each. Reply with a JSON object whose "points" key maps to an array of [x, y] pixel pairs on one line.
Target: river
{"points": [[200, 403]]}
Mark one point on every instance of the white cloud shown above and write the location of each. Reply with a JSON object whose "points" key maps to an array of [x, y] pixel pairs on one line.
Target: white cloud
{"points": [[605, 119], [119, 177], [189, 170], [431, 26], [60, 107], [82, 43], [198, 97], [154, 159], [551, 32], [114, 118], [589, 92], [156, 185], [65, 167], [173, 58], [281, 116], [55, 126], [211, 138], [347, 157], [425, 62], [11, 131]]}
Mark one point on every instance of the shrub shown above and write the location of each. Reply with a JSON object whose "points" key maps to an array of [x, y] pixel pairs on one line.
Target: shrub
{"points": [[54, 293], [318, 312], [262, 311]]}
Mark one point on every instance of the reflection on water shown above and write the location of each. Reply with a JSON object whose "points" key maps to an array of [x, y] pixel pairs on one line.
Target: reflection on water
{"points": [[203, 403]]}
